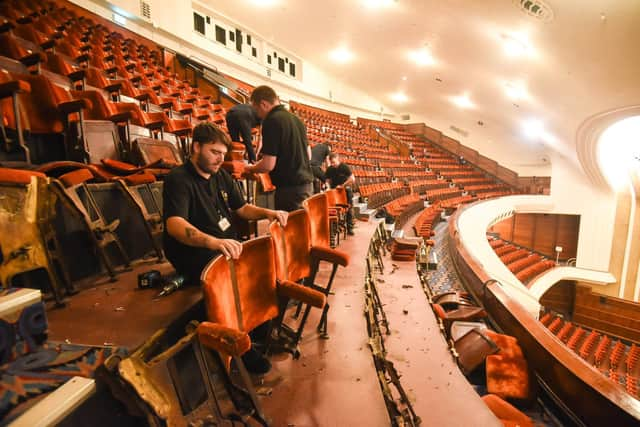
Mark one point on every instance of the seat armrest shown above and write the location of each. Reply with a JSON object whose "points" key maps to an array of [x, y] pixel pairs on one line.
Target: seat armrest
{"points": [[329, 255], [114, 87], [74, 106], [48, 44], [15, 86], [223, 339], [121, 117], [83, 58], [6, 26], [301, 293], [77, 75], [32, 59]]}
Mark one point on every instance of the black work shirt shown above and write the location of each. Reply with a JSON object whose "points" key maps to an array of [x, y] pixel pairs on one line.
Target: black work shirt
{"points": [[203, 203], [285, 137], [338, 174], [244, 113], [319, 153]]}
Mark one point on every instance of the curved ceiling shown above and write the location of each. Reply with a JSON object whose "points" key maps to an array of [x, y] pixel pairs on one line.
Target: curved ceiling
{"points": [[585, 60]]}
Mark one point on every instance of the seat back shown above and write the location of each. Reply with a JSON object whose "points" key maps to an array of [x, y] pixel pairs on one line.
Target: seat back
{"points": [[26, 211], [255, 275], [341, 196], [292, 246], [318, 209]]}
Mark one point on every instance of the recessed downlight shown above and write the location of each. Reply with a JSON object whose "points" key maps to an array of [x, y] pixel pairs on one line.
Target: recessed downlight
{"points": [[341, 55]]}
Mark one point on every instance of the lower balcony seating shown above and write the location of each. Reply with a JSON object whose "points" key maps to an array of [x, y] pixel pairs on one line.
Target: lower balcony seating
{"points": [[614, 359]]}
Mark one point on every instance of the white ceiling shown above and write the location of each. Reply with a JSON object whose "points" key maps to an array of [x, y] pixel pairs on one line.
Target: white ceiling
{"points": [[585, 61]]}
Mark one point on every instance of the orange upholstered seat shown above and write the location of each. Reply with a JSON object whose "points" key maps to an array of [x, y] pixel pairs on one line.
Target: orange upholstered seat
{"points": [[506, 412], [241, 298], [507, 371], [298, 261]]}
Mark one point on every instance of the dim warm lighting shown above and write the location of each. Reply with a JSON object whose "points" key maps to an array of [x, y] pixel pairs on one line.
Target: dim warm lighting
{"points": [[463, 101], [341, 55]]}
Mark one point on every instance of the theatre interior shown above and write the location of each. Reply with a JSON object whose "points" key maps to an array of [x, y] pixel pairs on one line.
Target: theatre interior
{"points": [[492, 274]]}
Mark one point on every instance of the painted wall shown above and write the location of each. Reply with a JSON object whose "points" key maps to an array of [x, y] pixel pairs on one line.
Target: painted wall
{"points": [[573, 193]]}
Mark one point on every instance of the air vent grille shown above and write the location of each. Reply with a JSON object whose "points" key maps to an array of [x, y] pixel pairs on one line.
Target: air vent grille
{"points": [[536, 8], [145, 10], [459, 131]]}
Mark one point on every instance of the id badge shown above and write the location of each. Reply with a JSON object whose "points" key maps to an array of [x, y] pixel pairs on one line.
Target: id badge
{"points": [[224, 224]]}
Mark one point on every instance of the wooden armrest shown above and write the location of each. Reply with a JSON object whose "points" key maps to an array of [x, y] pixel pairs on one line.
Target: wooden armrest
{"points": [[74, 106], [6, 26], [32, 59], [15, 86], [77, 75], [113, 87]]}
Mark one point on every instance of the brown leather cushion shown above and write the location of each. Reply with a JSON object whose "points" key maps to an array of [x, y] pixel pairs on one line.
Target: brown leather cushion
{"points": [[18, 176]]}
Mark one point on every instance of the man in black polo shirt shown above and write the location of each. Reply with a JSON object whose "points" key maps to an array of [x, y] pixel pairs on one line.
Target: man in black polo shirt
{"points": [[241, 119], [319, 154], [285, 150], [340, 174], [198, 199]]}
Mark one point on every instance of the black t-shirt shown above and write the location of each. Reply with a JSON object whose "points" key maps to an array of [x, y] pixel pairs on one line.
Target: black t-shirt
{"points": [[338, 174], [203, 203], [319, 153], [243, 113], [285, 137]]}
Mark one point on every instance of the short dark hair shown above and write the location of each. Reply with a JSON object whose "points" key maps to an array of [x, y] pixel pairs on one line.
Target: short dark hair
{"points": [[333, 155], [263, 93], [208, 133]]}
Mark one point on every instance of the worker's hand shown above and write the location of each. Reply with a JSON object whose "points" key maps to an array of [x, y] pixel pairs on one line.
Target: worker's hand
{"points": [[230, 248], [280, 216]]}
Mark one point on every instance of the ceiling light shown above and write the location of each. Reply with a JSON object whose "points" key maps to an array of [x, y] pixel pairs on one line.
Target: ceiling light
{"points": [[399, 97], [422, 57], [265, 3], [516, 90], [378, 4], [533, 129], [404, 78], [341, 55], [516, 45], [463, 101]]}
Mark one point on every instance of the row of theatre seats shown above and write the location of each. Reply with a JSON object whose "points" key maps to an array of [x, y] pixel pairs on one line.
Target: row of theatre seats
{"points": [[383, 176], [525, 264], [62, 69], [612, 357]]}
